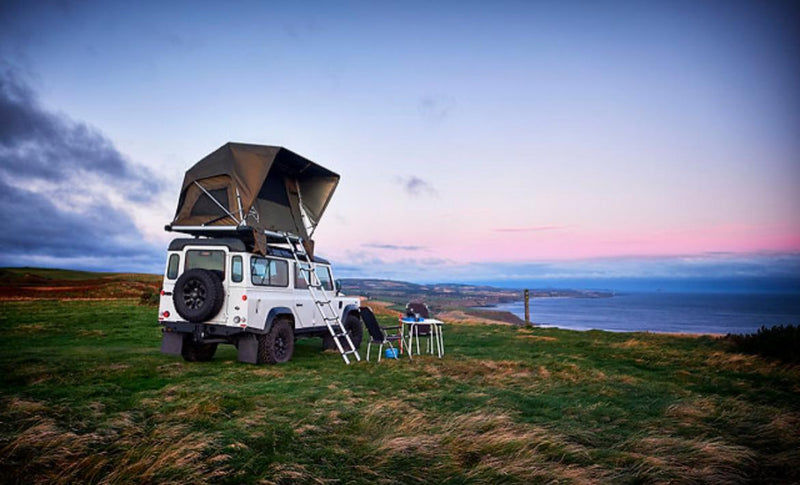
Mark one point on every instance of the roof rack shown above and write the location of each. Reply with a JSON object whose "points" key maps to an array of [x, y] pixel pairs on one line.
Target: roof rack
{"points": [[241, 231], [276, 242]]}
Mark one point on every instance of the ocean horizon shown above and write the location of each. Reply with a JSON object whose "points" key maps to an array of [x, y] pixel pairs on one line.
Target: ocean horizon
{"points": [[664, 312]]}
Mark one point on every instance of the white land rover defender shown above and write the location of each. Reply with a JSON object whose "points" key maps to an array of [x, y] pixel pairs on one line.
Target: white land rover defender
{"points": [[248, 277]]}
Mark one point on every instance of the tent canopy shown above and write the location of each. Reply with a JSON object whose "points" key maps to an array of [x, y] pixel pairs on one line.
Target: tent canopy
{"points": [[255, 186]]}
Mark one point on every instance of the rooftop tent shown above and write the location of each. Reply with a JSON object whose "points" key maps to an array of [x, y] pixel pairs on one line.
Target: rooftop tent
{"points": [[254, 188]]}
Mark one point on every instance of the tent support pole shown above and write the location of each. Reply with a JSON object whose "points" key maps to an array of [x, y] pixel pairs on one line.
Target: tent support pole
{"points": [[239, 201], [303, 215], [217, 202]]}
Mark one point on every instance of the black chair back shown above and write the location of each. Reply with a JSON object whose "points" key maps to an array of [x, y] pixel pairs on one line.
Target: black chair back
{"points": [[374, 329], [417, 308]]}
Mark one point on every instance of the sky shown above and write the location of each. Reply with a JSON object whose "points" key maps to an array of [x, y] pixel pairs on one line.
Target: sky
{"points": [[476, 141]]}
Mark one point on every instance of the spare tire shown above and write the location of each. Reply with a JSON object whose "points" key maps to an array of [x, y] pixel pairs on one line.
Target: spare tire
{"points": [[198, 295]]}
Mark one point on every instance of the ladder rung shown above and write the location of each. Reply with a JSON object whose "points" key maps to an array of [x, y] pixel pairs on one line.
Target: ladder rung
{"points": [[349, 352], [338, 335]]}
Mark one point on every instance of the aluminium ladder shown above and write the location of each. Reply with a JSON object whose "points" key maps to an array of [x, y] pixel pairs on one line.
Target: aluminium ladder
{"points": [[321, 298]]}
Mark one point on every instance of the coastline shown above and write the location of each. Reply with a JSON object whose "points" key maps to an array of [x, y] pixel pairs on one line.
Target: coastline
{"points": [[682, 314]]}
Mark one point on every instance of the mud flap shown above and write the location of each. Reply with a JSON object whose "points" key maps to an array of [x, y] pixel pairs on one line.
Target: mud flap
{"points": [[248, 349], [172, 343]]}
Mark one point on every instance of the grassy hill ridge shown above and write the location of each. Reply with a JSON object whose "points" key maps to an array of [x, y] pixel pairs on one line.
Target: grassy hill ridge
{"points": [[53, 283]]}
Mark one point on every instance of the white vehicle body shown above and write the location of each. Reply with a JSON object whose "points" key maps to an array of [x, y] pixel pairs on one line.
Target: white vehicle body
{"points": [[258, 291]]}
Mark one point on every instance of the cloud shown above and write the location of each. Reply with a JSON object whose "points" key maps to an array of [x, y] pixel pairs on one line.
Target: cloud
{"points": [[528, 229], [36, 231], [436, 107], [416, 186], [393, 247], [39, 145], [67, 195]]}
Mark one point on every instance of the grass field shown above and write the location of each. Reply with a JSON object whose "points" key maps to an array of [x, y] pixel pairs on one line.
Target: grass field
{"points": [[86, 397]]}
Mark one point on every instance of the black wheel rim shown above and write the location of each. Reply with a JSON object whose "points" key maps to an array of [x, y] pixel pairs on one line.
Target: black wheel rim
{"points": [[194, 294], [280, 347]]}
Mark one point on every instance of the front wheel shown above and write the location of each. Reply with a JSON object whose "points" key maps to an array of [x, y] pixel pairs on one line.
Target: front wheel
{"points": [[277, 345], [352, 325]]}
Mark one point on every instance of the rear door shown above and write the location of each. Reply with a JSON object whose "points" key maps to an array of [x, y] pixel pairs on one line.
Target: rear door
{"points": [[269, 278], [213, 259]]}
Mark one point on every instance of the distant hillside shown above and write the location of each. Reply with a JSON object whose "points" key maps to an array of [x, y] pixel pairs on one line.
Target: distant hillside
{"points": [[47, 283], [454, 301], [448, 296]]}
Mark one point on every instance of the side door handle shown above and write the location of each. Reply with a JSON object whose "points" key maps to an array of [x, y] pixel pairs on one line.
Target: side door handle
{"points": [[299, 304]]}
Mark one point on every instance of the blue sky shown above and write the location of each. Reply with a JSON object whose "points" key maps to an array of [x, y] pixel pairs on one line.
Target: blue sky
{"points": [[472, 138]]}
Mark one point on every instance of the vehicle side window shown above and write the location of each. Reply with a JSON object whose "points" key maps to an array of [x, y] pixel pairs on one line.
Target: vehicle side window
{"points": [[172, 266], [269, 272], [237, 269], [205, 259], [300, 277], [323, 272]]}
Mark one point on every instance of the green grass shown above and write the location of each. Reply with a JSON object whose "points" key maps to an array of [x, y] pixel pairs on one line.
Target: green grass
{"points": [[87, 397]]}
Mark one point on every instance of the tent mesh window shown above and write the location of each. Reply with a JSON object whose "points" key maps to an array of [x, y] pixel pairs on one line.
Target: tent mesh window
{"points": [[207, 207]]}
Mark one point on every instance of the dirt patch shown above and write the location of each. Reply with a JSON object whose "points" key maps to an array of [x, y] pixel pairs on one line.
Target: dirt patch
{"points": [[460, 317], [487, 371], [541, 338], [380, 308], [632, 344], [91, 333], [741, 363], [25, 406]]}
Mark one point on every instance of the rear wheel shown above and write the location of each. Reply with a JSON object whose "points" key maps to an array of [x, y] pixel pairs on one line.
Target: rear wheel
{"points": [[277, 345], [197, 352]]}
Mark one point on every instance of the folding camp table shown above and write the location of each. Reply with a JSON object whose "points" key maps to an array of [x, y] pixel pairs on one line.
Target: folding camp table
{"points": [[436, 336]]}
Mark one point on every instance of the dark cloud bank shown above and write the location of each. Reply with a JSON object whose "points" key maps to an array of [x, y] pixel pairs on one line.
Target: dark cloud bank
{"points": [[55, 174]]}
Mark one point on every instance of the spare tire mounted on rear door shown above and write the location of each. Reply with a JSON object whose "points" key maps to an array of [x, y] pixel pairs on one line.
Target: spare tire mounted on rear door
{"points": [[198, 295]]}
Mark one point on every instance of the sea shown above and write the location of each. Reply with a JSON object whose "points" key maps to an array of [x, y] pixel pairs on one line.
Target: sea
{"points": [[668, 312]]}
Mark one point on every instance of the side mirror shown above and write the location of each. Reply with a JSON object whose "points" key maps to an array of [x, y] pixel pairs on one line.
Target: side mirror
{"points": [[338, 284]]}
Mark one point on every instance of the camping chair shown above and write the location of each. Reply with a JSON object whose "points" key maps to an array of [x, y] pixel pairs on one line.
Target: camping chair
{"points": [[377, 334], [418, 310]]}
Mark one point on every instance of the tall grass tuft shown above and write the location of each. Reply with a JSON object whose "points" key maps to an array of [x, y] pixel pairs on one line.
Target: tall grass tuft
{"points": [[779, 342], [149, 297]]}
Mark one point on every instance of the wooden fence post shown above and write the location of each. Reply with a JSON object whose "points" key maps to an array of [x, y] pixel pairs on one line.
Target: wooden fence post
{"points": [[527, 307]]}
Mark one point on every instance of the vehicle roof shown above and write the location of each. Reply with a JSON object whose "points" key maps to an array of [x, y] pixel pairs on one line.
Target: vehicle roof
{"points": [[233, 244]]}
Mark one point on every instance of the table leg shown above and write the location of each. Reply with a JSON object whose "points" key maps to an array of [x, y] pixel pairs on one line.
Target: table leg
{"points": [[439, 340]]}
